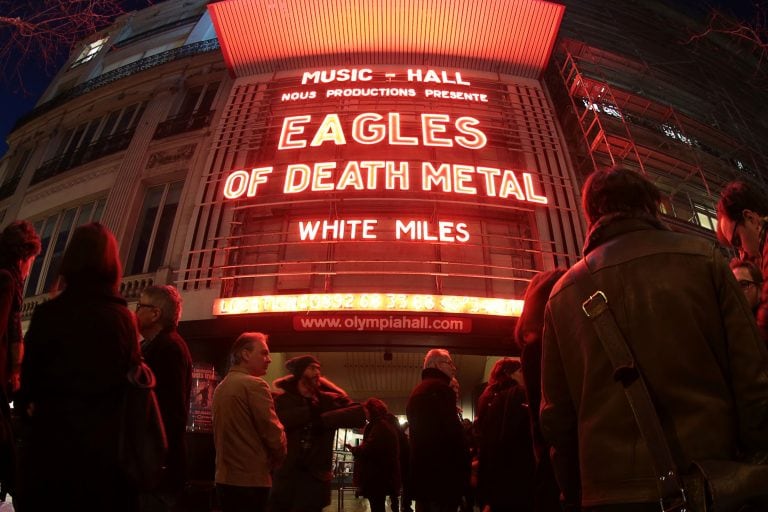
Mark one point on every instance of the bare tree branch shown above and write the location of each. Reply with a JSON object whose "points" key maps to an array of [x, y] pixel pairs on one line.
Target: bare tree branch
{"points": [[44, 31], [750, 34]]}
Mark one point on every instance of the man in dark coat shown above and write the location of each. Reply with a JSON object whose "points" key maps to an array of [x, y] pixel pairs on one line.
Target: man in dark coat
{"points": [[377, 459], [505, 479], [690, 329], [157, 314], [310, 408], [440, 460]]}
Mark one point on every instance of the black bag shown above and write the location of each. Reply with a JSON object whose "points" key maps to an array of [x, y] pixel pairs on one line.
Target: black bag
{"points": [[726, 486], [143, 446]]}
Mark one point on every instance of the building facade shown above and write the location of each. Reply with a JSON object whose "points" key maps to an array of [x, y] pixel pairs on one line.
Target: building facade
{"points": [[377, 179]]}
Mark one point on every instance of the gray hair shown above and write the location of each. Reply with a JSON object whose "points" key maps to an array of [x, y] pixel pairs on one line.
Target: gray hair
{"points": [[434, 356], [244, 341], [167, 299]]}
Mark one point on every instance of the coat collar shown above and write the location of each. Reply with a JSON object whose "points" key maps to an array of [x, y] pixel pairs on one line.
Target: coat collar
{"points": [[611, 226], [434, 373]]}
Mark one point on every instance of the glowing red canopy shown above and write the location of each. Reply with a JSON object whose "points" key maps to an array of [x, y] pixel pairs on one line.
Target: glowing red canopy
{"points": [[513, 37]]}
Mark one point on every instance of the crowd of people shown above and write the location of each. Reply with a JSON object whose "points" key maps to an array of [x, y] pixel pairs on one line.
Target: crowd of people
{"points": [[554, 430]]}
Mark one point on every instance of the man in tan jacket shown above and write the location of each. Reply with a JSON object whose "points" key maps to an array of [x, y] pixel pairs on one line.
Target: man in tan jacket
{"points": [[249, 438]]}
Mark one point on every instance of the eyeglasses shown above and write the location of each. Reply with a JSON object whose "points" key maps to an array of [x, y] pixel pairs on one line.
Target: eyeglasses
{"points": [[746, 283], [140, 305]]}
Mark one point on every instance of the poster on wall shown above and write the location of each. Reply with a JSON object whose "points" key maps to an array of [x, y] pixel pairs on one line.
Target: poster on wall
{"points": [[204, 381]]}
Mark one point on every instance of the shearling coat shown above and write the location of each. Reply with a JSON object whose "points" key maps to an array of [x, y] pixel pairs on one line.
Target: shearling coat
{"points": [[693, 337], [309, 427]]}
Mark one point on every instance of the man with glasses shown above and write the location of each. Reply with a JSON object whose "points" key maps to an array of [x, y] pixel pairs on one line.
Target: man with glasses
{"points": [[440, 460], [742, 219], [749, 278], [166, 353]]}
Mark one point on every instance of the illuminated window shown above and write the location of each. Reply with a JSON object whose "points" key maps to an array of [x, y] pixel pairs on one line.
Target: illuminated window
{"points": [[89, 52], [55, 232], [156, 218], [605, 108], [705, 217], [673, 133]]}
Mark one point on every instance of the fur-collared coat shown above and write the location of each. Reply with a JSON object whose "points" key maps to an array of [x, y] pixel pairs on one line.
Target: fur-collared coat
{"points": [[310, 425]]}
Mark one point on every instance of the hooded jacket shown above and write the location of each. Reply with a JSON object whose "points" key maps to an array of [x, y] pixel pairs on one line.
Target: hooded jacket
{"points": [[689, 326]]}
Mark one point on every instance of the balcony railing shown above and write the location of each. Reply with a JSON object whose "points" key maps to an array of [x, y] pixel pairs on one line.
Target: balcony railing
{"points": [[102, 147], [119, 73], [130, 289], [183, 123]]}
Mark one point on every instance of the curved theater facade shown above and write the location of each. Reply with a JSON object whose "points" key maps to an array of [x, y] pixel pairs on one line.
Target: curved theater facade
{"points": [[385, 188], [371, 178]]}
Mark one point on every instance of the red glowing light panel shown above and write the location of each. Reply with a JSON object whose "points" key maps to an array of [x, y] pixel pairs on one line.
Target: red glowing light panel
{"points": [[514, 38]]}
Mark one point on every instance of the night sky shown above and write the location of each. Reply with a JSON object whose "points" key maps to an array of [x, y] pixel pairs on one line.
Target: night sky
{"points": [[16, 101]]}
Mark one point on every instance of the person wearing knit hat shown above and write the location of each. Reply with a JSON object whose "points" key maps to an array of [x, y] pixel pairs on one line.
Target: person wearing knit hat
{"points": [[311, 408], [298, 364]]}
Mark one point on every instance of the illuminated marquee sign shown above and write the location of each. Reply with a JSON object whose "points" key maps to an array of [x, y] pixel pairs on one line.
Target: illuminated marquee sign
{"points": [[395, 302], [323, 147]]}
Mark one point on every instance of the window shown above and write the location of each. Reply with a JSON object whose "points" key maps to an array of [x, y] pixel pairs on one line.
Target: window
{"points": [[198, 99], [705, 217], [55, 232], [13, 171], [89, 52], [156, 218]]}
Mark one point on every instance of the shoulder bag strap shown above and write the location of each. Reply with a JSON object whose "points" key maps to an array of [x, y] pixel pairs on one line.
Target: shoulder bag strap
{"points": [[626, 372]]}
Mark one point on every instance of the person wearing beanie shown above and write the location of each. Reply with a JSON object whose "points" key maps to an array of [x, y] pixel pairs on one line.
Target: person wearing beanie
{"points": [[310, 408]]}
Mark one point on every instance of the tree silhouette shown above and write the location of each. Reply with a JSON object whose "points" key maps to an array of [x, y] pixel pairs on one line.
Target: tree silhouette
{"points": [[749, 34], [43, 32]]}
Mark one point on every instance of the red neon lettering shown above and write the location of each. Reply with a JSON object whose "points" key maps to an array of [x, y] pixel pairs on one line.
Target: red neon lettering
{"points": [[240, 182], [476, 139], [323, 172], [338, 229], [330, 130], [372, 166], [236, 184], [400, 175], [489, 173], [431, 176], [376, 132], [510, 186], [351, 177], [293, 171], [430, 125], [289, 129], [532, 197], [395, 137], [462, 174]]}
